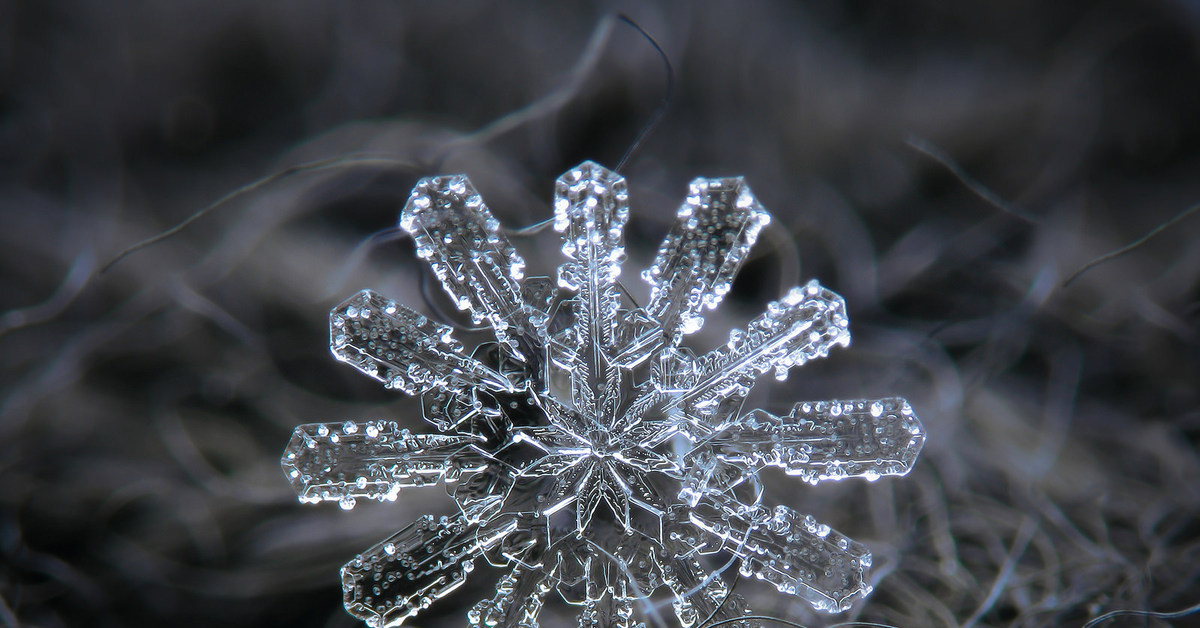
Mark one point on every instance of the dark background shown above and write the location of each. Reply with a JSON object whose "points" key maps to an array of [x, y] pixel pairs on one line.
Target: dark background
{"points": [[945, 166]]}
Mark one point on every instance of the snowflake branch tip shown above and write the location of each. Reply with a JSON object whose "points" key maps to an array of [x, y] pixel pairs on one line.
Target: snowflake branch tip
{"points": [[714, 230]]}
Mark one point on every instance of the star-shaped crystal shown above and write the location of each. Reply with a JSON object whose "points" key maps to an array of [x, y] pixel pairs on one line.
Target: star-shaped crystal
{"points": [[588, 451]]}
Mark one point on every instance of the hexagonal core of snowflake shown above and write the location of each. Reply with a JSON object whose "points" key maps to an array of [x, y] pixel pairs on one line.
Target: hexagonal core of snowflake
{"points": [[588, 451]]}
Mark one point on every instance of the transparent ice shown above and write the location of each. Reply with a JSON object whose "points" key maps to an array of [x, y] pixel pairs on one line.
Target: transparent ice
{"points": [[590, 453]]}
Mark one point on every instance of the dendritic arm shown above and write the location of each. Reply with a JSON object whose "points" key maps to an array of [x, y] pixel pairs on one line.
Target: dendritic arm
{"points": [[371, 459], [591, 207], [825, 440], [404, 574], [402, 348], [480, 270], [697, 261], [803, 325], [791, 551]]}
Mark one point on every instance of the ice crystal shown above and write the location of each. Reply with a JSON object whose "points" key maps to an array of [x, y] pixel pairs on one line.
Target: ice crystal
{"points": [[588, 451]]}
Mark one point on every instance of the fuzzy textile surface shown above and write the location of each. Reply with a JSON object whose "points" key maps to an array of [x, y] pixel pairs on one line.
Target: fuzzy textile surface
{"points": [[945, 166]]}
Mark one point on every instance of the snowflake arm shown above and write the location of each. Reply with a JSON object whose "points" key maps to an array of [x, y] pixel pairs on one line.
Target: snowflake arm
{"points": [[372, 459], [520, 595], [612, 609], [697, 261], [401, 348], [700, 594], [480, 270], [405, 573], [591, 207], [802, 326], [790, 551], [818, 440]]}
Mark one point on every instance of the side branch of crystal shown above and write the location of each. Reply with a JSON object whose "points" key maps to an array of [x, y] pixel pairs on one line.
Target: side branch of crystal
{"points": [[480, 270]]}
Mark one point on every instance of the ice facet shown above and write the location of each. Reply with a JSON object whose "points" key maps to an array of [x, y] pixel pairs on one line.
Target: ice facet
{"points": [[481, 495], [588, 451]]}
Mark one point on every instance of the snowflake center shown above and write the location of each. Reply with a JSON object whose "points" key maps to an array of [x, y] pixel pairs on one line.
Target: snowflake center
{"points": [[601, 446]]}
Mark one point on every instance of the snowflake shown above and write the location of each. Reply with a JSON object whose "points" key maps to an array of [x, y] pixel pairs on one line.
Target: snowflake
{"points": [[589, 453]]}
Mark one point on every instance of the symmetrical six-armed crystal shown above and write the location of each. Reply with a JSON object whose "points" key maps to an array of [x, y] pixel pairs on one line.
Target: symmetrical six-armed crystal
{"points": [[587, 450]]}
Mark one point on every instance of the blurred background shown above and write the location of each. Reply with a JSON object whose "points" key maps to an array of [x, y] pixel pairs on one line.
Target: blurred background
{"points": [[945, 166]]}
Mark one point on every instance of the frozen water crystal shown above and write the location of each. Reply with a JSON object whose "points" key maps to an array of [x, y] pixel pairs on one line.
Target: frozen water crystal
{"points": [[592, 454]]}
